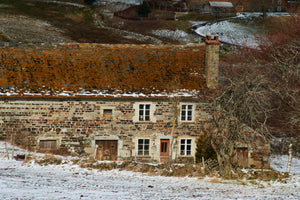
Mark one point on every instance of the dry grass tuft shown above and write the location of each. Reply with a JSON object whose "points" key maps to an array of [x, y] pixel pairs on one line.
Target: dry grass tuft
{"points": [[215, 180]]}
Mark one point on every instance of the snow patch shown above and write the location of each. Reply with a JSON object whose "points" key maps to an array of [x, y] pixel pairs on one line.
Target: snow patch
{"points": [[68, 181], [231, 33], [279, 163], [98, 93], [234, 33], [178, 35]]}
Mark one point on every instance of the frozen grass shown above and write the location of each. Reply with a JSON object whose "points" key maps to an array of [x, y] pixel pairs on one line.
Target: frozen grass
{"points": [[64, 179]]}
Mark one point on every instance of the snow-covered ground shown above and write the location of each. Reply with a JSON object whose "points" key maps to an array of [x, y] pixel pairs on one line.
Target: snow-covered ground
{"points": [[180, 36], [279, 163], [231, 33], [235, 33], [20, 180]]}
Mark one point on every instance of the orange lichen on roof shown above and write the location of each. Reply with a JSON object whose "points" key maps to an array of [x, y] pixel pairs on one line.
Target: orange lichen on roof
{"points": [[127, 68]]}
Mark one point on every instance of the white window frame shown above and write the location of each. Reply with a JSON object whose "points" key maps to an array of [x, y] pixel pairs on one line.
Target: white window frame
{"points": [[143, 146], [184, 151], [144, 112], [188, 111], [140, 115]]}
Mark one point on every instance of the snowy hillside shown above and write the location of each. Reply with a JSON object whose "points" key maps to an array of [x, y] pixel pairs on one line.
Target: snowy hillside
{"points": [[228, 33], [66, 181], [235, 33]]}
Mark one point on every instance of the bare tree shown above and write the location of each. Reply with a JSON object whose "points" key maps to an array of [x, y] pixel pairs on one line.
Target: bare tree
{"points": [[259, 94], [281, 56], [240, 113], [284, 82]]}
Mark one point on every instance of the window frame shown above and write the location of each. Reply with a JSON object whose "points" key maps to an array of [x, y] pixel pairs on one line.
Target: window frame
{"points": [[43, 140], [184, 147], [107, 113], [136, 117], [104, 109], [141, 147], [184, 112], [144, 112]]}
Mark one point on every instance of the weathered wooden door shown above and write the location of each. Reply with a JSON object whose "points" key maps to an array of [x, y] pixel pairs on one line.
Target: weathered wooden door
{"points": [[164, 150], [48, 145], [107, 149], [242, 157]]}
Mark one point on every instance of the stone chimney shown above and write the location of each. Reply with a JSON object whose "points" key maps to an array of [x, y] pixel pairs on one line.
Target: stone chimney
{"points": [[212, 61]]}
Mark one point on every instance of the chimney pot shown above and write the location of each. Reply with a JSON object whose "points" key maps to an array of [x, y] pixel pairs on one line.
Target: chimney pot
{"points": [[212, 40]]}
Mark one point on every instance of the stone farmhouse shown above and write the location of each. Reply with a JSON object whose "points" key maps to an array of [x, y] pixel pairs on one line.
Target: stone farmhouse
{"points": [[144, 103], [220, 9]]}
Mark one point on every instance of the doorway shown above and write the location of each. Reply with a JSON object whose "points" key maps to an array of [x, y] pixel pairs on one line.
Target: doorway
{"points": [[164, 150], [242, 157], [107, 149]]}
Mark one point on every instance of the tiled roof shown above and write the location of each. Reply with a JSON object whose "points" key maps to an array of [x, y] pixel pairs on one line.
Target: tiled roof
{"points": [[76, 68]]}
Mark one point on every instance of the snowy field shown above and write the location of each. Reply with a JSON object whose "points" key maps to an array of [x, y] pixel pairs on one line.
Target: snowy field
{"points": [[234, 33], [231, 33], [66, 181]]}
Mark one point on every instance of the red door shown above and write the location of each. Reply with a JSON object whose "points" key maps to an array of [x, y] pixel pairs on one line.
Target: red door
{"points": [[164, 150], [107, 149]]}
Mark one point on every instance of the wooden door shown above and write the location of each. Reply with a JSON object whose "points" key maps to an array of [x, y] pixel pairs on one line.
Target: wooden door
{"points": [[164, 150], [107, 149], [48, 145], [242, 157]]}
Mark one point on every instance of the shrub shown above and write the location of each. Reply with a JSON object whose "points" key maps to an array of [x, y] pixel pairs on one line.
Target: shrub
{"points": [[204, 148], [49, 160]]}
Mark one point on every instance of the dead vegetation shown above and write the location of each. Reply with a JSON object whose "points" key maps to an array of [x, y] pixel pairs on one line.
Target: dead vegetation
{"points": [[240, 176], [16, 28], [49, 160], [46, 21]]}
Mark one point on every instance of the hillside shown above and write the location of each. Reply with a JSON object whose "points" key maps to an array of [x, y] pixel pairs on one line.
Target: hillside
{"points": [[72, 21]]}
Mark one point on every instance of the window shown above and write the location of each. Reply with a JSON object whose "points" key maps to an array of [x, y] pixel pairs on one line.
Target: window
{"points": [[185, 147], [107, 112], [143, 147], [186, 112], [48, 144], [144, 112]]}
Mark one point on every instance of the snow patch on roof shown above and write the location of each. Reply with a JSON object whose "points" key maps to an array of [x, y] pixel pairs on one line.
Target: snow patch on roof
{"points": [[101, 94]]}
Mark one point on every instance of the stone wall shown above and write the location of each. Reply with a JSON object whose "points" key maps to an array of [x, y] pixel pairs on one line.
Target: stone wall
{"points": [[77, 123]]}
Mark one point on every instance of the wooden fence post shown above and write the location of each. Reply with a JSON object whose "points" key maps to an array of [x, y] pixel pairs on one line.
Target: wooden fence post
{"points": [[6, 150], [290, 159]]}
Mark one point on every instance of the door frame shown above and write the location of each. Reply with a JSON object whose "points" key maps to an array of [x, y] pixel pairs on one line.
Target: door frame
{"points": [[113, 154], [119, 143], [164, 158]]}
